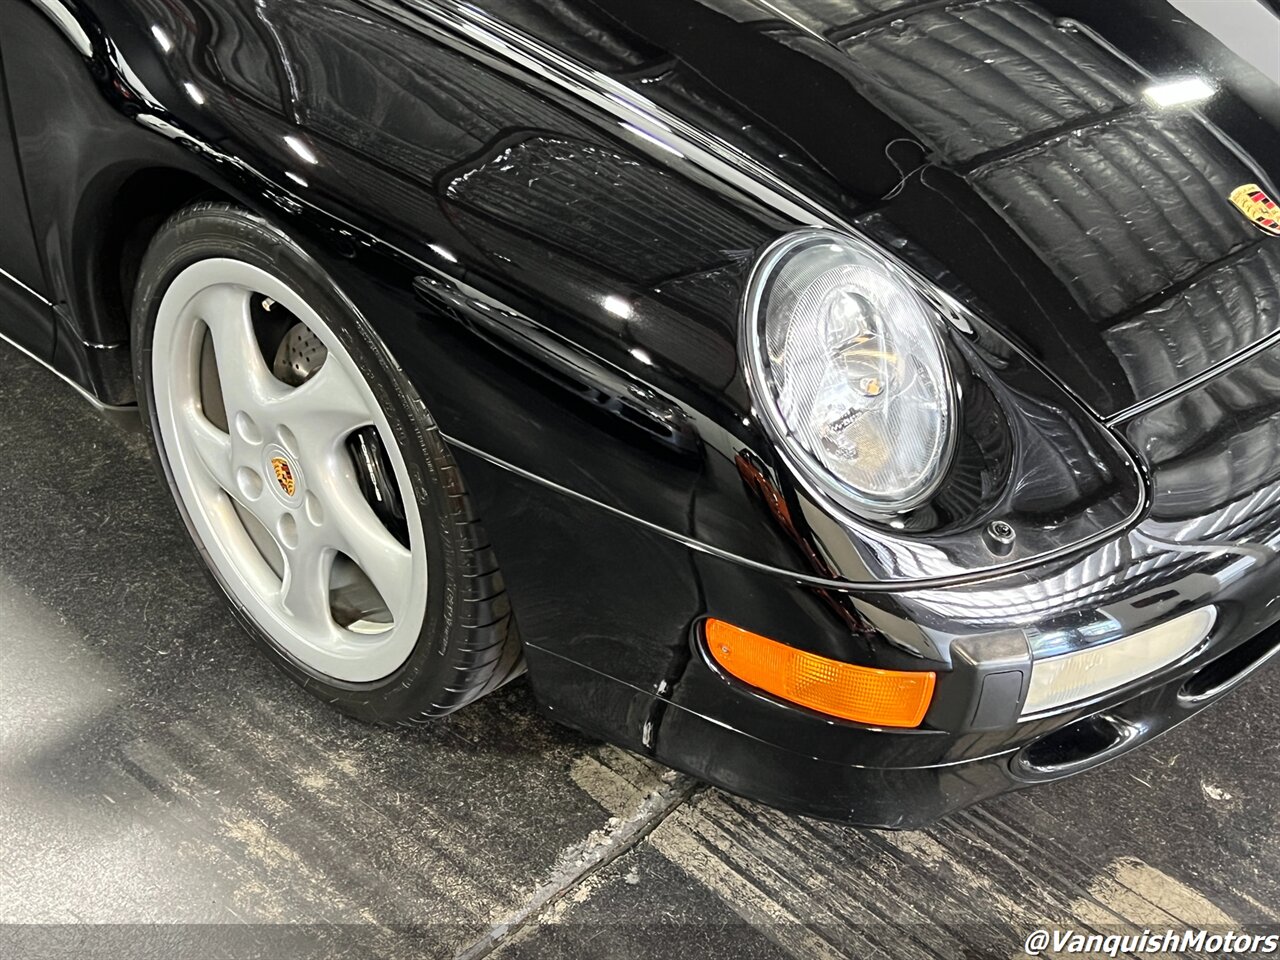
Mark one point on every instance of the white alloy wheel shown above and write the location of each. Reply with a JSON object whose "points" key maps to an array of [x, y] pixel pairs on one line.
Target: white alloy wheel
{"points": [[267, 476]]}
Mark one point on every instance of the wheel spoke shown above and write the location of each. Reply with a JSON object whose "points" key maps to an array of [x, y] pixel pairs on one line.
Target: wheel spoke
{"points": [[359, 534], [242, 372], [305, 592], [324, 410], [212, 448]]}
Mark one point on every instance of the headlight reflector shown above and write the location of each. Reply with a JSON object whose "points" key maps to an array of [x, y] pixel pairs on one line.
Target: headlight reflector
{"points": [[849, 367]]}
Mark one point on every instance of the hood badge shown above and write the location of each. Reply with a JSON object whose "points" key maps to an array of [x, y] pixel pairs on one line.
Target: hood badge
{"points": [[284, 475], [1254, 203]]}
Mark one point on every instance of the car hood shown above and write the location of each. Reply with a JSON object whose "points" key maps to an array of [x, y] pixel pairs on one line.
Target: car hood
{"points": [[1067, 167]]}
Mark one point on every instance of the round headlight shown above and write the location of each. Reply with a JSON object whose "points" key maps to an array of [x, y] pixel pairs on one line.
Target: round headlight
{"points": [[848, 365]]}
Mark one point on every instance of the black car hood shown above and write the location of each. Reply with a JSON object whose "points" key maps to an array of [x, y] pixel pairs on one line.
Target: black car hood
{"points": [[1009, 148]]}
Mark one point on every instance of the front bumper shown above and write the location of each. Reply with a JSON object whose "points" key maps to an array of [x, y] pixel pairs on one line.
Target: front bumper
{"points": [[611, 609], [904, 797]]}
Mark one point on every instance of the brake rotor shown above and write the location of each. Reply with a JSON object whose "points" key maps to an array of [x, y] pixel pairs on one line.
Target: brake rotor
{"points": [[299, 356]]}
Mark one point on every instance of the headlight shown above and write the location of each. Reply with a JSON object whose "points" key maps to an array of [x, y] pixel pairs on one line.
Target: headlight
{"points": [[848, 366]]}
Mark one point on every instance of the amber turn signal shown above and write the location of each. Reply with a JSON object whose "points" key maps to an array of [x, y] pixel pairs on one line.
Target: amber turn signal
{"points": [[881, 698]]}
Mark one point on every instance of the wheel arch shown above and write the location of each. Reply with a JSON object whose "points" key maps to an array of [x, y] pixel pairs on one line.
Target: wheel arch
{"points": [[114, 220], [112, 234]]}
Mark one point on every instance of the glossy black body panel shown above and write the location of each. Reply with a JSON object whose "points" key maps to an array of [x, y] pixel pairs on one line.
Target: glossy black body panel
{"points": [[25, 317], [549, 213]]}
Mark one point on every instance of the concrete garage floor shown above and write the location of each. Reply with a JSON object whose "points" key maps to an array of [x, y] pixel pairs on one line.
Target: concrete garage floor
{"points": [[155, 769]]}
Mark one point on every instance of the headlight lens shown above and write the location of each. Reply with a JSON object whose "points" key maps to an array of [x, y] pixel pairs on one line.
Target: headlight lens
{"points": [[850, 370]]}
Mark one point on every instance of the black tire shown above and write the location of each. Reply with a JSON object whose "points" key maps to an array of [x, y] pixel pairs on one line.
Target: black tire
{"points": [[468, 645]]}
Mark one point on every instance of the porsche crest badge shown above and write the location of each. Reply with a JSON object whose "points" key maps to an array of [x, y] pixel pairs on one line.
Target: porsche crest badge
{"points": [[284, 475], [1254, 203]]}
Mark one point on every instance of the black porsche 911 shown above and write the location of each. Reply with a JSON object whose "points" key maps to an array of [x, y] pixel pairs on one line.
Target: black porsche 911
{"points": [[867, 406]]}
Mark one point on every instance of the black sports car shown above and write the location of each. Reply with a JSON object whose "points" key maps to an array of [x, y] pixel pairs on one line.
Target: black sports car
{"points": [[868, 406]]}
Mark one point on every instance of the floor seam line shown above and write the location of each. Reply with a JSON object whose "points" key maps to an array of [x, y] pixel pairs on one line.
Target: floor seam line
{"points": [[656, 807]]}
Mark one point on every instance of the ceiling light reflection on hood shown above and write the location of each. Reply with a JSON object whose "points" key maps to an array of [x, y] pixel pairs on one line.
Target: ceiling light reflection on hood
{"points": [[1178, 93], [162, 38], [300, 147], [618, 306]]}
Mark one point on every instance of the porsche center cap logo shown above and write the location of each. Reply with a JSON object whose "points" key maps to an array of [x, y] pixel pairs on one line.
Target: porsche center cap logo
{"points": [[284, 475], [1258, 207]]}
